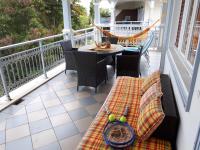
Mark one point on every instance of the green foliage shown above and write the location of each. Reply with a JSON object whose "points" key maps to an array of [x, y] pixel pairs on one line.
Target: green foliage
{"points": [[80, 19], [22, 20], [105, 12]]}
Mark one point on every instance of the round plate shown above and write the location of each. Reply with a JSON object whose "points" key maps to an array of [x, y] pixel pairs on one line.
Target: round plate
{"points": [[117, 134]]}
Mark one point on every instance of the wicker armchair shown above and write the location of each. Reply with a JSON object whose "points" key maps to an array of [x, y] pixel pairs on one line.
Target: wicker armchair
{"points": [[69, 55], [91, 70], [128, 64]]}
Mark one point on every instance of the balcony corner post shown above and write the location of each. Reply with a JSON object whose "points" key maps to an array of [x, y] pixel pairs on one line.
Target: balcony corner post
{"points": [[42, 58], [5, 87]]}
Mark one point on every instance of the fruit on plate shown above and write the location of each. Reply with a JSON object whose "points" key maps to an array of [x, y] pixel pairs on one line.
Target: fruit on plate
{"points": [[111, 117], [122, 119]]}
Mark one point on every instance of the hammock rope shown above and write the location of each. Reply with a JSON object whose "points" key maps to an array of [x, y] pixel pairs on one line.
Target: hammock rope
{"points": [[139, 36]]}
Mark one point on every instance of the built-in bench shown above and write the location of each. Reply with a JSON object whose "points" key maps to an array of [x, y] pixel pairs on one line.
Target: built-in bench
{"points": [[126, 91]]}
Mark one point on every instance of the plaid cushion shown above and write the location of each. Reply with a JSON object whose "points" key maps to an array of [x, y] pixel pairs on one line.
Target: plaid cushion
{"points": [[125, 91], [149, 81], [153, 92], [151, 116]]}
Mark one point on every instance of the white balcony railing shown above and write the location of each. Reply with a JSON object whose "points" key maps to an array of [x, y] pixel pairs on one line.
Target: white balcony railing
{"points": [[36, 58]]}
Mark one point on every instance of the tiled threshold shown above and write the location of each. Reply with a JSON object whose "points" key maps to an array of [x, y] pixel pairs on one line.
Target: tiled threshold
{"points": [[20, 92]]}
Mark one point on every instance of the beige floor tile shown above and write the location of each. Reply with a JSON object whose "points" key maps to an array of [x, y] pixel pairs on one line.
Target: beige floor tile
{"points": [[93, 109], [72, 105], [63, 92], [2, 147], [16, 133], [43, 138], [70, 143], [2, 125], [70, 85], [38, 115], [60, 119], [100, 97], [36, 100], [80, 95], [51, 103], [83, 124], [20, 112]]}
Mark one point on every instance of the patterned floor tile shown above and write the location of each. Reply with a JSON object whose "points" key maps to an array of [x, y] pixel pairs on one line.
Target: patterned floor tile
{"points": [[60, 119], [52, 146], [87, 101], [83, 124], [72, 105], [39, 126], [2, 125], [16, 121], [68, 98], [78, 114], [70, 143], [2, 147], [52, 111], [93, 109], [80, 95], [34, 107], [43, 138], [64, 92], [48, 96], [20, 144], [38, 115], [66, 130], [51, 103], [2, 137], [100, 97], [16, 133]]}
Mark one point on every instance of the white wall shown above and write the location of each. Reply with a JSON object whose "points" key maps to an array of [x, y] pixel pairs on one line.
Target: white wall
{"points": [[189, 121], [152, 14]]}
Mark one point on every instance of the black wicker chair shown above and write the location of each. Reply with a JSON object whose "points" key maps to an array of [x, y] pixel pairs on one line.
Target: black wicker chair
{"points": [[128, 64], [69, 55], [91, 70]]}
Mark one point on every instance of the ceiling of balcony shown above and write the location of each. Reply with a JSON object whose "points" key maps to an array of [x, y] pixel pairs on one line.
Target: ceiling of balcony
{"points": [[129, 4]]}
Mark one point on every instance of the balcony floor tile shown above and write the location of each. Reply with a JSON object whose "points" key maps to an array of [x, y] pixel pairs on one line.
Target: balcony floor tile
{"points": [[55, 116]]}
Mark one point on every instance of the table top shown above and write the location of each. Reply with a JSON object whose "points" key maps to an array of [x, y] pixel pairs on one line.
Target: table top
{"points": [[115, 49]]}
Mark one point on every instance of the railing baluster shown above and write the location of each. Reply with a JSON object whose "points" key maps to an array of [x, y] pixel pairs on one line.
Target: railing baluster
{"points": [[13, 72], [8, 74], [42, 58], [22, 69], [19, 77], [5, 87]]}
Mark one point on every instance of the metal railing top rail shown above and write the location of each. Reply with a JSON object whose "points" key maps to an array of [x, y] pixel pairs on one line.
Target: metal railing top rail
{"points": [[83, 29], [31, 41], [131, 22]]}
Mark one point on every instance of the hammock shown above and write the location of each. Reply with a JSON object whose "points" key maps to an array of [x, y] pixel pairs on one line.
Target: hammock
{"points": [[131, 39]]}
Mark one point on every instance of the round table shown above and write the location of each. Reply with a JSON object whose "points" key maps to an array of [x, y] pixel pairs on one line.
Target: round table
{"points": [[115, 49]]}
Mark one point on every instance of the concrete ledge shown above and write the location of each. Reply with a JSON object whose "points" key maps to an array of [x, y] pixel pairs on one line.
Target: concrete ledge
{"points": [[20, 92]]}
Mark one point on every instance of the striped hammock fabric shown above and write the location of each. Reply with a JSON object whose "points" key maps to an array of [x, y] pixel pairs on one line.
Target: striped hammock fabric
{"points": [[131, 39]]}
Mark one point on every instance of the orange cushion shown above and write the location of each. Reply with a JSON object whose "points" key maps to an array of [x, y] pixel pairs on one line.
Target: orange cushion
{"points": [[153, 92], [151, 116], [149, 81]]}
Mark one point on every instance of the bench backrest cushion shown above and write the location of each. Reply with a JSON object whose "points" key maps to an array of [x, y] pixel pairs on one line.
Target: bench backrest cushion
{"points": [[149, 81], [153, 92], [149, 119]]}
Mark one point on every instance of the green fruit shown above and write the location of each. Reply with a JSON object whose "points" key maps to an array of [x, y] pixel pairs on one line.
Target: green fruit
{"points": [[122, 119], [111, 117]]}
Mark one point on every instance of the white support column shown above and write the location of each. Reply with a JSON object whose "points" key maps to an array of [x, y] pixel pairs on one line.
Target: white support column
{"points": [[67, 18], [97, 33], [96, 13], [112, 17]]}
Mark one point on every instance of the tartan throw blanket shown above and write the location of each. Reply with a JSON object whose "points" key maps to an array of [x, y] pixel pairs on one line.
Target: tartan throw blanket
{"points": [[126, 91]]}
